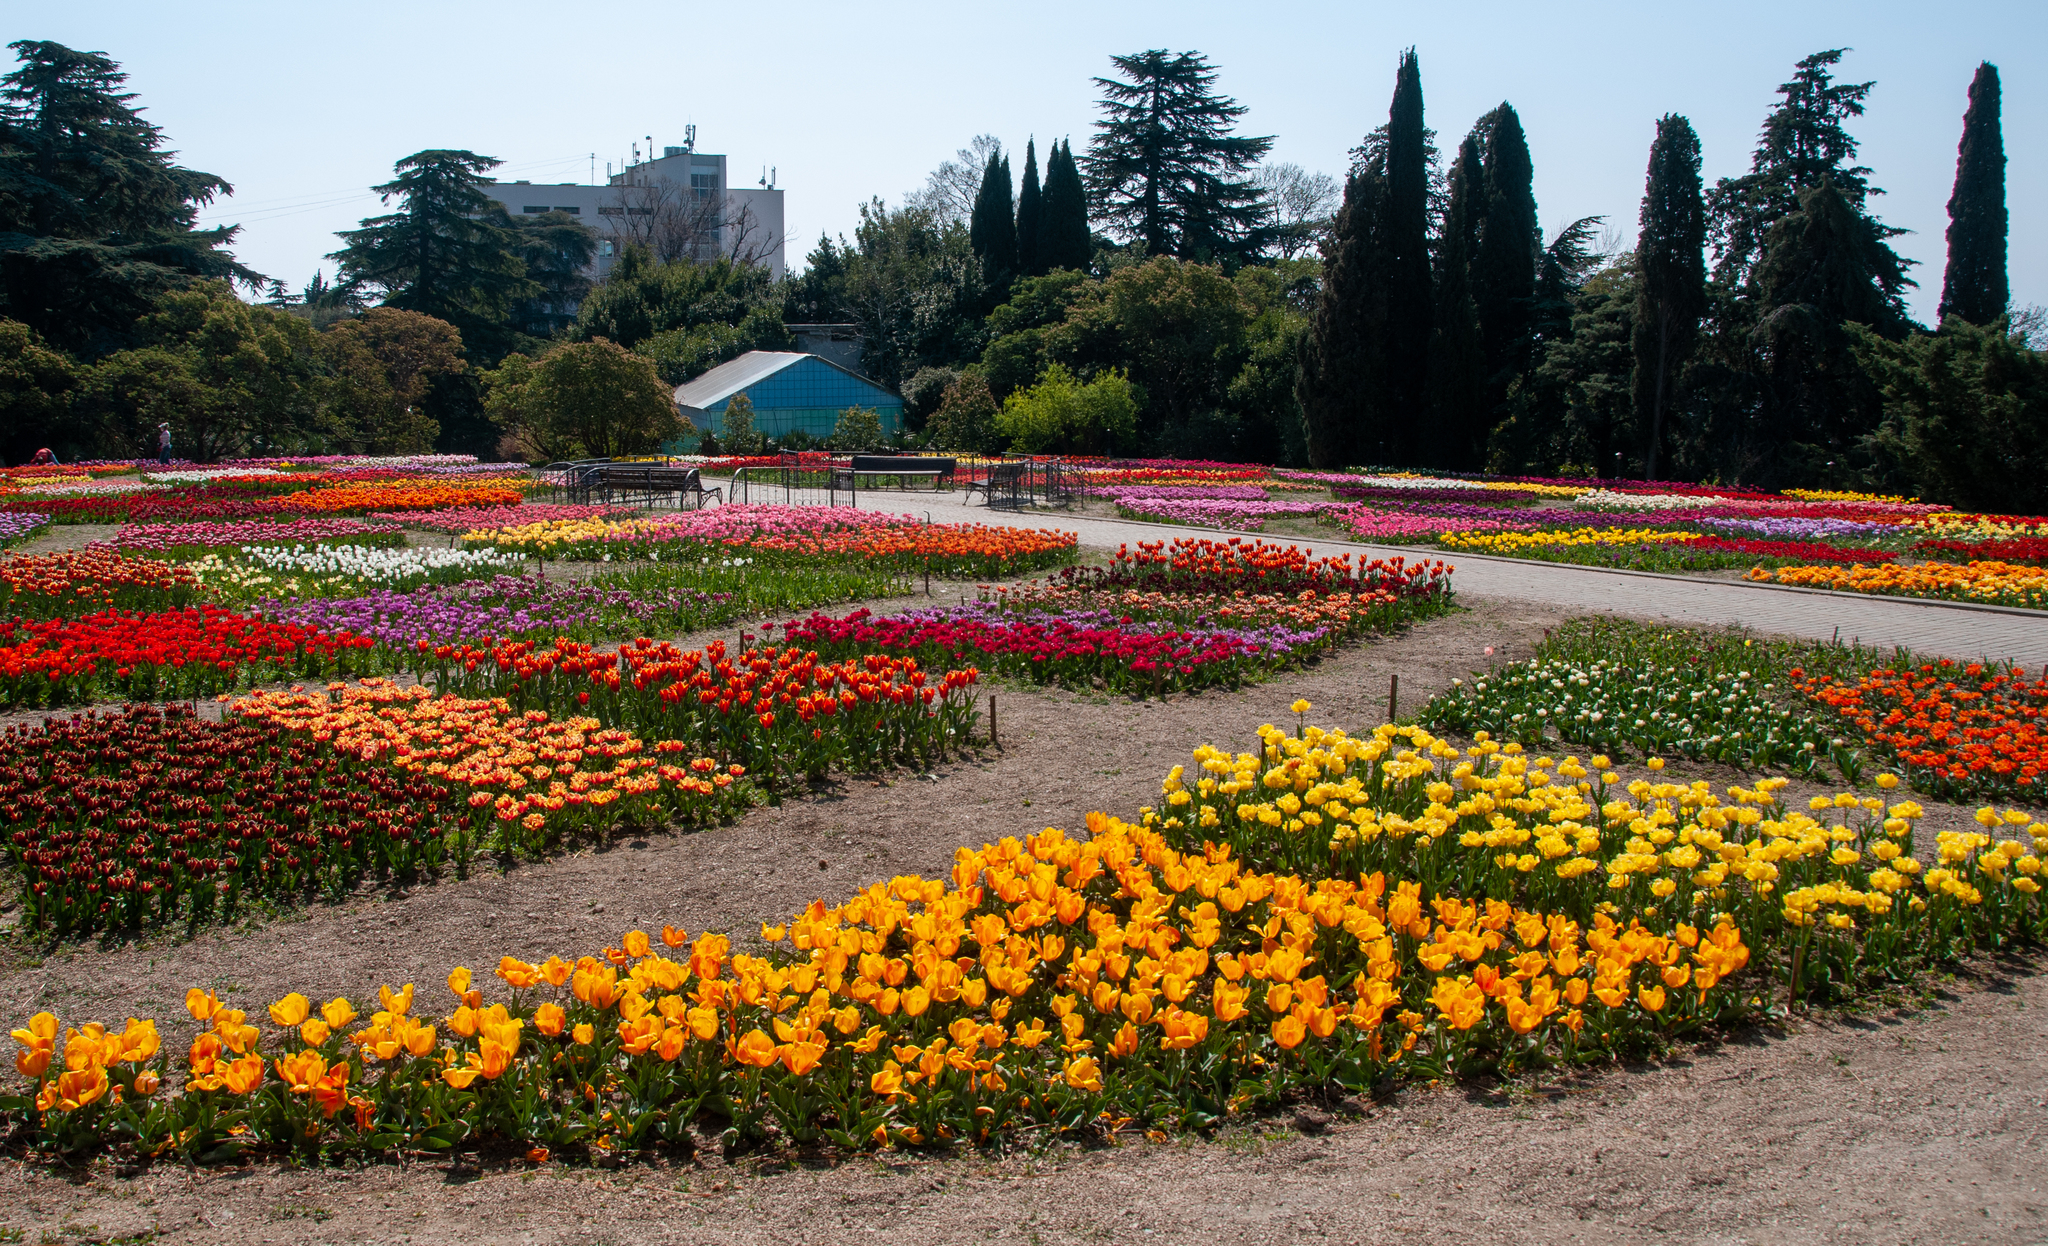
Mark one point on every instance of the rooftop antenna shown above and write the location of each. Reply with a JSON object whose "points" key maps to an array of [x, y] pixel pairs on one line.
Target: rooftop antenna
{"points": [[650, 147], [690, 137], [771, 177], [764, 175], [593, 168]]}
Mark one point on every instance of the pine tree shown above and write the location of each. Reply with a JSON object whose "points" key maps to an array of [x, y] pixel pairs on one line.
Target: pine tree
{"points": [[1165, 170], [1804, 143], [1503, 268], [992, 231], [1410, 304], [97, 218], [1029, 208], [1340, 376], [1457, 357], [1671, 260], [1063, 240], [1975, 287], [441, 254]]}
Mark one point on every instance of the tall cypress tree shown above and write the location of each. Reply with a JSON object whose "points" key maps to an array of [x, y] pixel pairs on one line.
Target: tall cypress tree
{"points": [[992, 230], [1457, 356], [1063, 239], [1340, 374], [1671, 294], [1974, 287], [1410, 301], [1503, 269], [1028, 212]]}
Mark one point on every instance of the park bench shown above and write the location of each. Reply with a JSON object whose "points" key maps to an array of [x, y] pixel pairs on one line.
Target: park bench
{"points": [[1006, 481], [633, 484], [906, 467]]}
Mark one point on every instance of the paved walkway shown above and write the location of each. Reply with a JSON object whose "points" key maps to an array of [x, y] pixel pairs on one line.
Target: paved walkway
{"points": [[1936, 628]]}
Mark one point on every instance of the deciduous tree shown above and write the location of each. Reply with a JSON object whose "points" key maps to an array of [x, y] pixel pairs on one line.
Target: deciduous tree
{"points": [[385, 363], [582, 400]]}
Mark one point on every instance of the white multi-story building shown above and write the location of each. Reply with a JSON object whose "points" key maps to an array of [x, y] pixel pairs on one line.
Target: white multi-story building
{"points": [[682, 206]]}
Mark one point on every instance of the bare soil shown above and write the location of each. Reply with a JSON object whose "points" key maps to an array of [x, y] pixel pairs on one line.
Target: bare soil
{"points": [[1918, 1125]]}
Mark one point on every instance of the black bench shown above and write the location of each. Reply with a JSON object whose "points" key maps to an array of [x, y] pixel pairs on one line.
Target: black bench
{"points": [[940, 470], [635, 484], [1006, 481]]}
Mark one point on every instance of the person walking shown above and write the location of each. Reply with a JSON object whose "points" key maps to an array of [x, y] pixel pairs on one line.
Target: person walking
{"points": [[163, 445]]}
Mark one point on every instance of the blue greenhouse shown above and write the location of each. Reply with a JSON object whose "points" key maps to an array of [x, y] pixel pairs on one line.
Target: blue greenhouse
{"points": [[790, 392]]}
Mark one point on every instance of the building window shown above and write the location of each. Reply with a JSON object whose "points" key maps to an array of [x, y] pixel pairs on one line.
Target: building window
{"points": [[604, 247], [704, 181], [639, 211], [611, 211], [571, 211], [532, 209]]}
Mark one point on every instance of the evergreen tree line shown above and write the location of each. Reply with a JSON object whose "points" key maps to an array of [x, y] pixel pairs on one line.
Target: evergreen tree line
{"points": [[1139, 298], [1449, 335]]}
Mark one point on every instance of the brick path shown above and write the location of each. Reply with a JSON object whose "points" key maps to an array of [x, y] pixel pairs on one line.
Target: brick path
{"points": [[1946, 629]]}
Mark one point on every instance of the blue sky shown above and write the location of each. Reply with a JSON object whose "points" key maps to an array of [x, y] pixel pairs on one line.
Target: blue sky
{"points": [[303, 106]]}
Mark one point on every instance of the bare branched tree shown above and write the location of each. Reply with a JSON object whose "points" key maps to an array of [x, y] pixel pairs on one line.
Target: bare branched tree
{"points": [[681, 223], [949, 192], [1304, 205]]}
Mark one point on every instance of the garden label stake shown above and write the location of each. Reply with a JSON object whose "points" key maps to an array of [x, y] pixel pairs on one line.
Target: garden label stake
{"points": [[1393, 697]]}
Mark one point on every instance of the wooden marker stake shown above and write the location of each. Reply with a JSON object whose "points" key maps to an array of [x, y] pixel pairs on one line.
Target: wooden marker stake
{"points": [[1393, 698]]}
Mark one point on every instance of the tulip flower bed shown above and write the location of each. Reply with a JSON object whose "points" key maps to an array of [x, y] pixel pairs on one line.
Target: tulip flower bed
{"points": [[775, 711], [171, 654], [195, 540], [663, 598], [540, 779], [1385, 493], [792, 534], [2032, 551], [1957, 730], [71, 583], [1696, 710], [291, 572], [1332, 913], [1643, 688], [146, 816], [1799, 551], [1074, 648], [1200, 614], [1990, 582], [272, 496], [1372, 523], [1214, 513], [16, 528], [458, 520]]}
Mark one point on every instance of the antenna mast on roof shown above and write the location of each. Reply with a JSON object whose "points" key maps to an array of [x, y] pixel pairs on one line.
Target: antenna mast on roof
{"points": [[690, 137]]}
